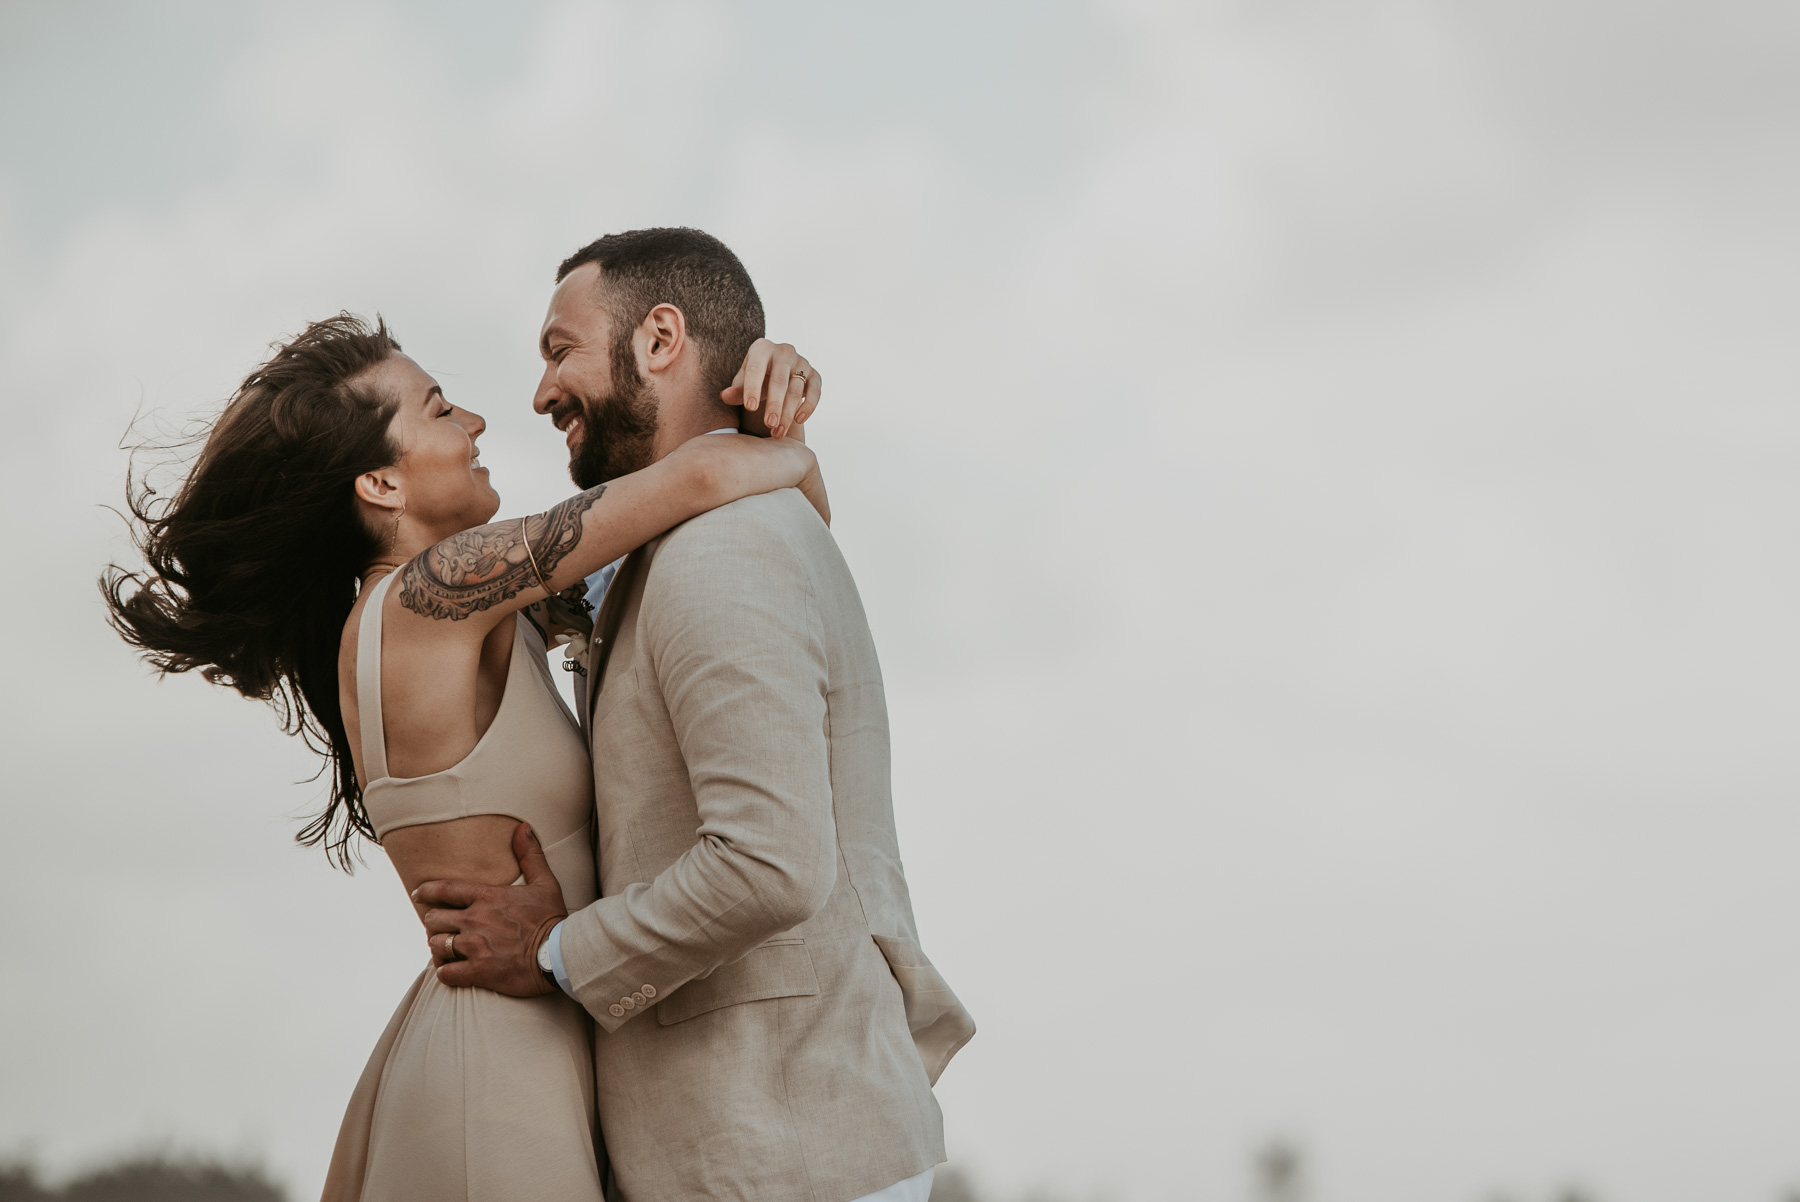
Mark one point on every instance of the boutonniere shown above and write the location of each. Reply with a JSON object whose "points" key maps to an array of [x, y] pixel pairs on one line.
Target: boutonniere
{"points": [[570, 610]]}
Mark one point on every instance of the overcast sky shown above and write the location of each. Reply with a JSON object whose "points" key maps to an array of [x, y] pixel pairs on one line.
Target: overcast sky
{"points": [[1322, 474]]}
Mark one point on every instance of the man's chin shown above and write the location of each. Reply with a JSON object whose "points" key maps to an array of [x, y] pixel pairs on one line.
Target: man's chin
{"points": [[587, 471], [610, 440]]}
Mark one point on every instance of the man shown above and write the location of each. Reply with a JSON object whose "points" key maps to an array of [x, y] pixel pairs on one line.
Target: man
{"points": [[768, 1025]]}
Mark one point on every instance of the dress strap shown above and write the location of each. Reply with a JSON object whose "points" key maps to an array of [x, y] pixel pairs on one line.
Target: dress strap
{"points": [[368, 683]]}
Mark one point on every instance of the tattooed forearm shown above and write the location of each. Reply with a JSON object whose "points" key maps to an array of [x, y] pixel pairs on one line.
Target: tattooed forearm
{"points": [[480, 568]]}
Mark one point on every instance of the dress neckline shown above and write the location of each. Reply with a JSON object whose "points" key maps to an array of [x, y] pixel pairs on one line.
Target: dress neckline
{"points": [[368, 693]]}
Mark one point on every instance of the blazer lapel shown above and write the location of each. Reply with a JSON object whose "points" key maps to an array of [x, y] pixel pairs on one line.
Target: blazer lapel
{"points": [[607, 623]]}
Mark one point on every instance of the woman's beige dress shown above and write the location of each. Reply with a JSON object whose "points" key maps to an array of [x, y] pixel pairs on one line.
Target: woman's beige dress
{"points": [[472, 1095]]}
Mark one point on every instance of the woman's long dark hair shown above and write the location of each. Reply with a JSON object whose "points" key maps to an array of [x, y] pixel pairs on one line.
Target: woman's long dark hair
{"points": [[251, 569]]}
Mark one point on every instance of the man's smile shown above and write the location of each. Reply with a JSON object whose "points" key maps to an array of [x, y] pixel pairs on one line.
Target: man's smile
{"points": [[568, 419]]}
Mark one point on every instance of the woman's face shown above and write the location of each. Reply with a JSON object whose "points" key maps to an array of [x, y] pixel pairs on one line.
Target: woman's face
{"points": [[446, 488]]}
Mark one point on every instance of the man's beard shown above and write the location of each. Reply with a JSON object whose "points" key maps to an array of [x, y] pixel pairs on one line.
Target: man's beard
{"points": [[618, 432]]}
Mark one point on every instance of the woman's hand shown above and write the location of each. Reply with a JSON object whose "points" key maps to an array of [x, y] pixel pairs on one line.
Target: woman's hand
{"points": [[726, 467], [776, 383]]}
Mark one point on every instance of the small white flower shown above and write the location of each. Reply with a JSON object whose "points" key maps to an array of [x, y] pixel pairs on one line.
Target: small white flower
{"points": [[575, 644]]}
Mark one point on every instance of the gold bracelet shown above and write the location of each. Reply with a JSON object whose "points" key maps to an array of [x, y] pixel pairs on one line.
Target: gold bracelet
{"points": [[526, 539]]}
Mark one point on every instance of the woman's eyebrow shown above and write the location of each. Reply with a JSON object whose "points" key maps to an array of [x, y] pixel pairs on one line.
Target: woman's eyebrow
{"points": [[434, 390]]}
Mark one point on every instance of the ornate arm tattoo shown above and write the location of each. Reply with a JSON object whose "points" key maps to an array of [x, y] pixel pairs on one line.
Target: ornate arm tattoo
{"points": [[480, 568]]}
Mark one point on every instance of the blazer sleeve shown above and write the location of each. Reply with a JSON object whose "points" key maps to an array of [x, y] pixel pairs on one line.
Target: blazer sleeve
{"points": [[737, 640]]}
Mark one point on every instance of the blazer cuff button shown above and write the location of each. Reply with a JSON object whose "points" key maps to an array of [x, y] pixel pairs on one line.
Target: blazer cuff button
{"points": [[616, 1010]]}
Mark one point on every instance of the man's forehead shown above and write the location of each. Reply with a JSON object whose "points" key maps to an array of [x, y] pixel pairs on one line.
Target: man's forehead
{"points": [[576, 299]]}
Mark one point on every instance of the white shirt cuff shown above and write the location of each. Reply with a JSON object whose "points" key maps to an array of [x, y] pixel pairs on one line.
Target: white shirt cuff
{"points": [[556, 961]]}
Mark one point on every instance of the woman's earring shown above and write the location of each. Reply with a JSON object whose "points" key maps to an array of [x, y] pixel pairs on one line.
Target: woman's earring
{"points": [[394, 534]]}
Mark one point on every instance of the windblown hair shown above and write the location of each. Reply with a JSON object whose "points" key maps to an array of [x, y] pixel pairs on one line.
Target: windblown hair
{"points": [[692, 270], [252, 568]]}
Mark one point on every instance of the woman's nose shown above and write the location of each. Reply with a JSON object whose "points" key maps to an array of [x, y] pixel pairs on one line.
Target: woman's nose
{"points": [[473, 423]]}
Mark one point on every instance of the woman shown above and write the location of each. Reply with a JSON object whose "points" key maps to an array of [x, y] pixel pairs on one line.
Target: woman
{"points": [[329, 553]]}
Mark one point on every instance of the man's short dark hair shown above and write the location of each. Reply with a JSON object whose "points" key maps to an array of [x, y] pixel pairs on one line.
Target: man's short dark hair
{"points": [[695, 272]]}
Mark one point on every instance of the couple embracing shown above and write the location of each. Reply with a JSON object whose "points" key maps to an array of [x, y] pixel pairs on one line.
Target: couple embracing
{"points": [[673, 951]]}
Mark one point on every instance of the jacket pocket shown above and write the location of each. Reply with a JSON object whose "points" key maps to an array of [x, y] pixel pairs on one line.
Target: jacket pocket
{"points": [[779, 968], [613, 694]]}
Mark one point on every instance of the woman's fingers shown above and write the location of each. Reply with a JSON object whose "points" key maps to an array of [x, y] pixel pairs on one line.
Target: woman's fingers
{"points": [[814, 391], [777, 381], [733, 393], [754, 373], [781, 356], [794, 394], [803, 397], [782, 366]]}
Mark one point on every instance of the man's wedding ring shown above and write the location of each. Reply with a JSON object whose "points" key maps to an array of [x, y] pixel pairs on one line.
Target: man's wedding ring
{"points": [[450, 946]]}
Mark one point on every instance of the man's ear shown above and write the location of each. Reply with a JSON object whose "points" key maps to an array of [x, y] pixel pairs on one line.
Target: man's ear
{"points": [[662, 337]]}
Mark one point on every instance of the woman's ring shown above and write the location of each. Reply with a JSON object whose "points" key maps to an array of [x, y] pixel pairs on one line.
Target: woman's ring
{"points": [[450, 946], [799, 374]]}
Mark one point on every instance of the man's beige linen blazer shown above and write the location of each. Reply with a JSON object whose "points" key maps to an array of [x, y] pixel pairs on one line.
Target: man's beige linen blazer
{"points": [[769, 1026]]}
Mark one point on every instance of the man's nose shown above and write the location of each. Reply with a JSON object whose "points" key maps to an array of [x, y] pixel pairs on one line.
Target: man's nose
{"points": [[547, 394]]}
